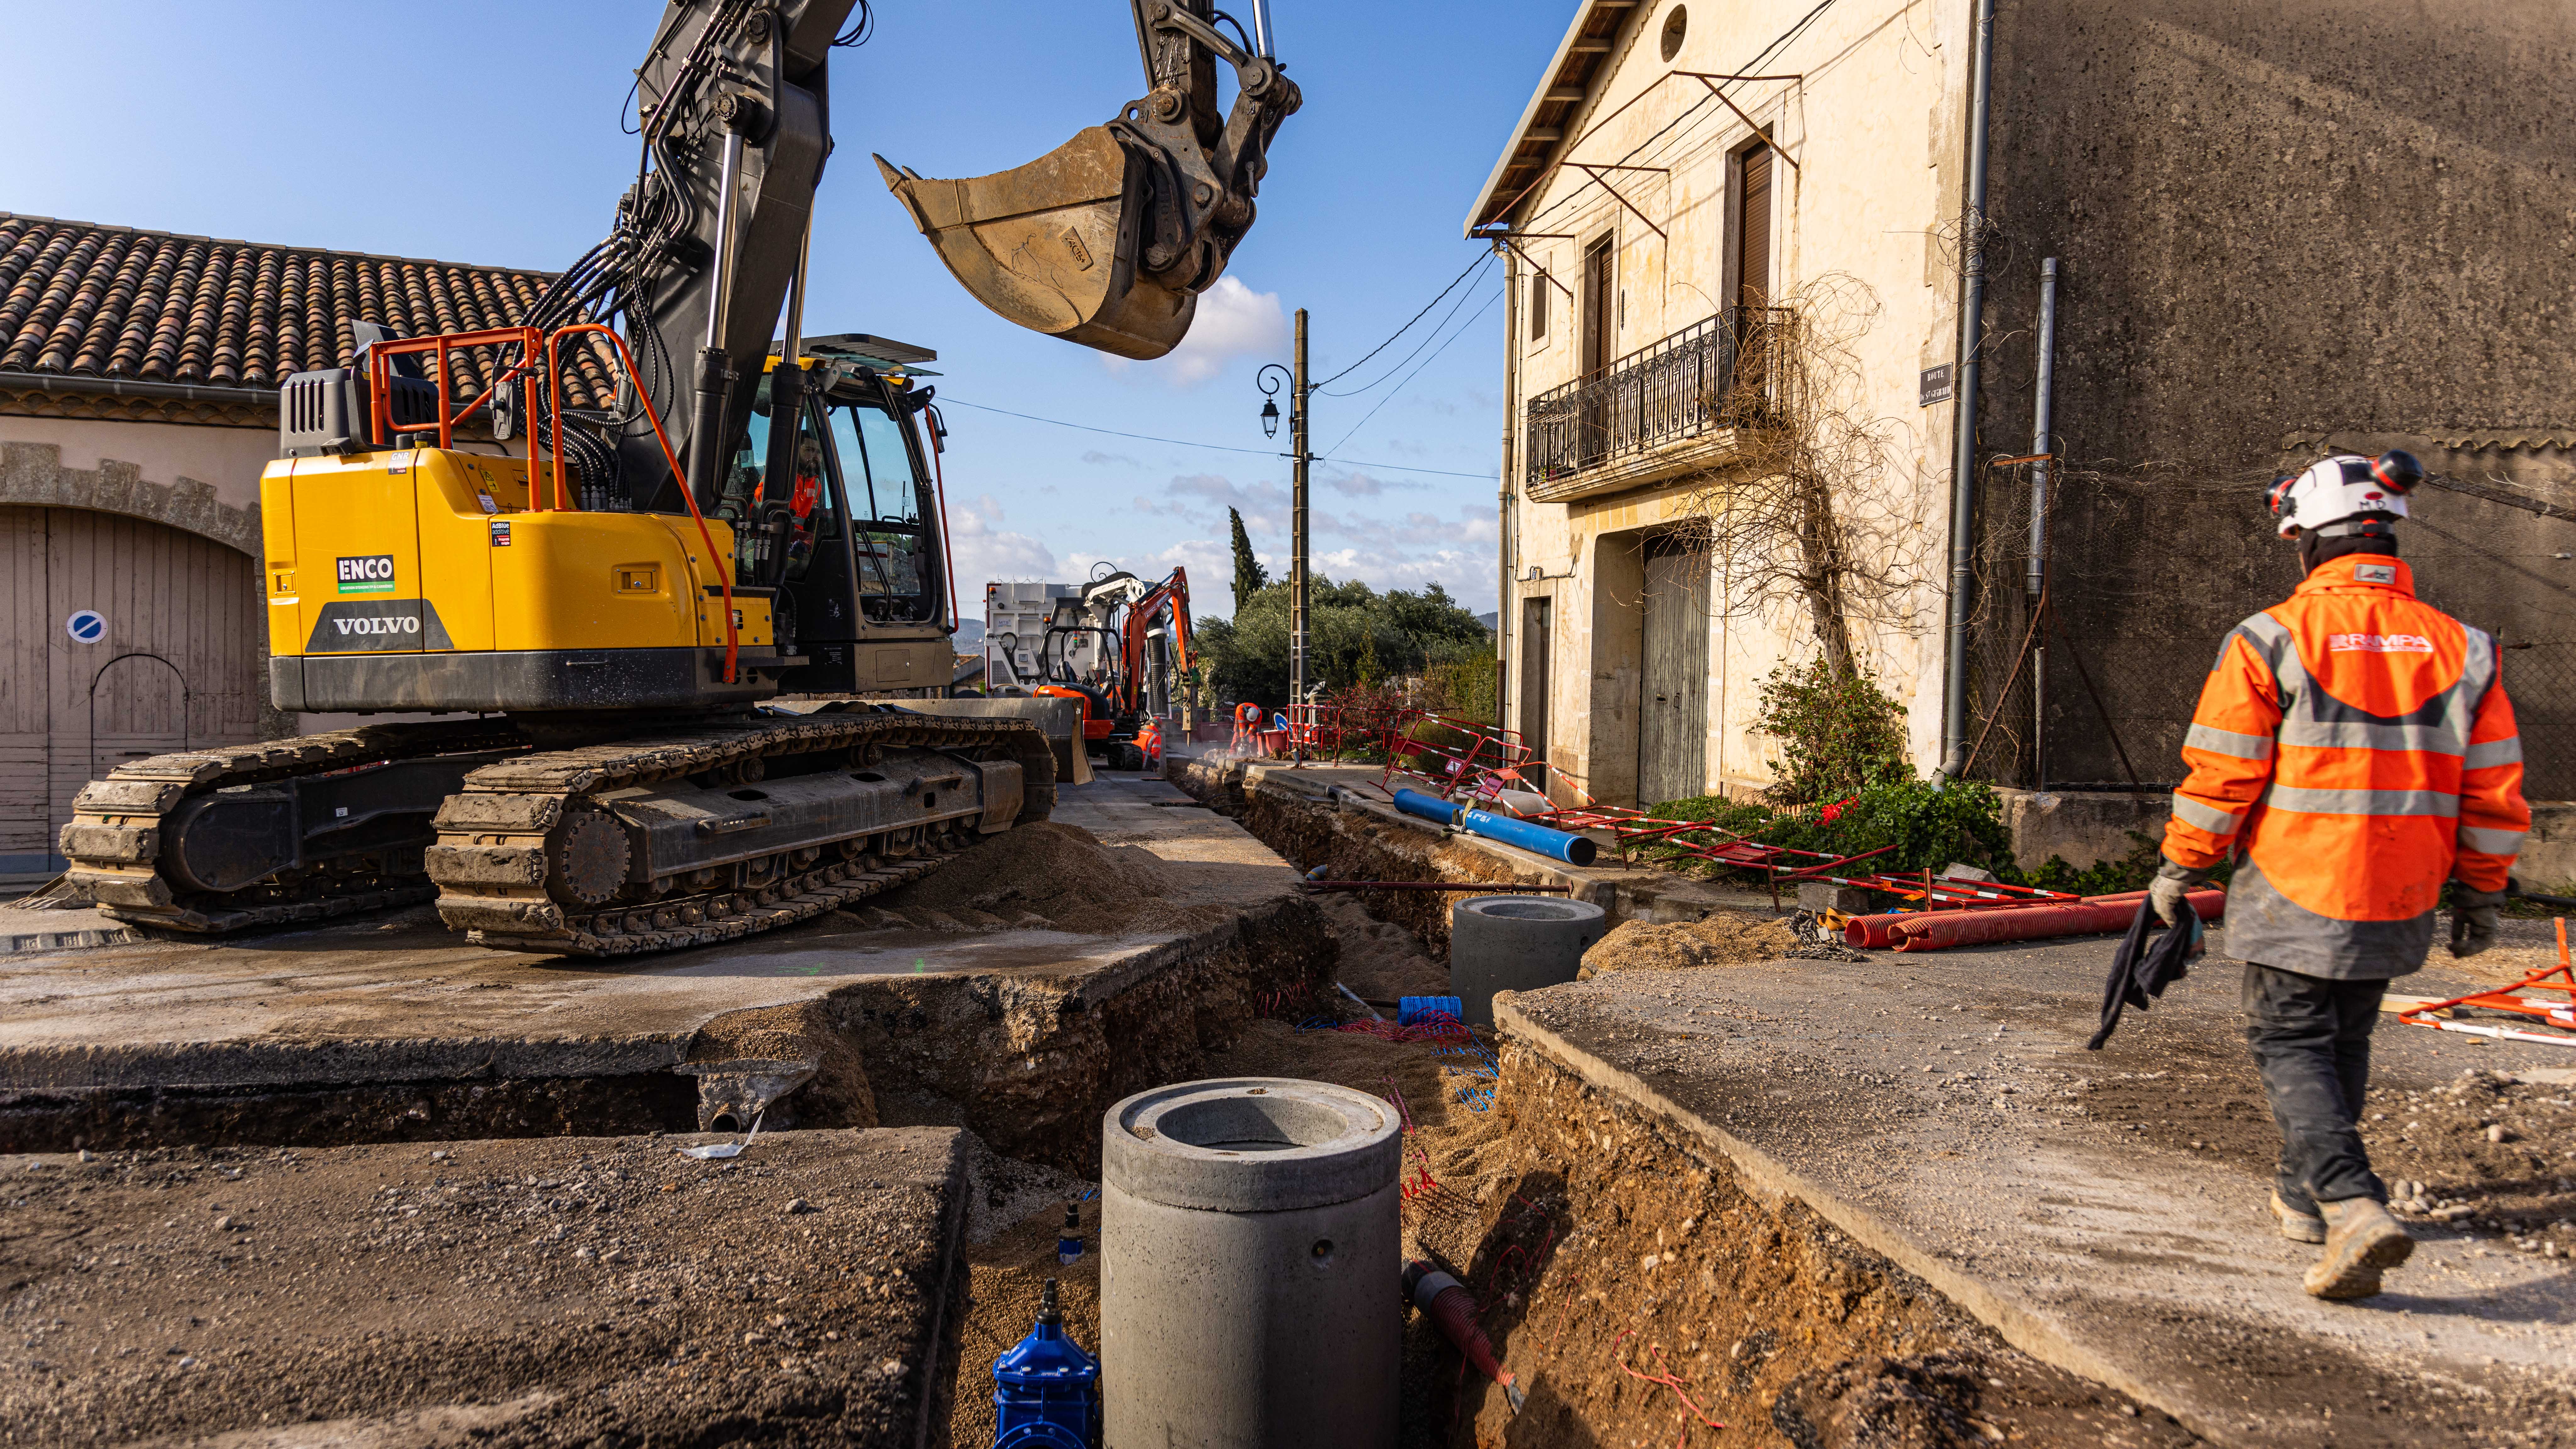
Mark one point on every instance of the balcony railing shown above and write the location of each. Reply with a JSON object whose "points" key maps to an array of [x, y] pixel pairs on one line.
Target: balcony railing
{"points": [[1712, 375]]}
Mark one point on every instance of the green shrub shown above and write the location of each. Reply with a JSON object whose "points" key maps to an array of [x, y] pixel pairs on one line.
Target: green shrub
{"points": [[1930, 828], [1837, 734], [1463, 687]]}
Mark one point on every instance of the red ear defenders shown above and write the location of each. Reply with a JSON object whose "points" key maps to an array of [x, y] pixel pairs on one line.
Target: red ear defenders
{"points": [[2397, 471]]}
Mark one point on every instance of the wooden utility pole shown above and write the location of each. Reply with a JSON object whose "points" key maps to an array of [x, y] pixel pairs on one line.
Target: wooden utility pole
{"points": [[1297, 526]]}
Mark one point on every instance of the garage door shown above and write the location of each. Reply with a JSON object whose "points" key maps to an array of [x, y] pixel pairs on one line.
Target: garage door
{"points": [[172, 661]]}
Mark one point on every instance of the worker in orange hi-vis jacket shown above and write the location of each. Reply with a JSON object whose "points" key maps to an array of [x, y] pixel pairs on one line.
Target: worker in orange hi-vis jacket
{"points": [[2353, 751]]}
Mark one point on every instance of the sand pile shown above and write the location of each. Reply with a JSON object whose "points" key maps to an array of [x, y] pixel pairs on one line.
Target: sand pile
{"points": [[1047, 876], [1380, 960], [1723, 938]]}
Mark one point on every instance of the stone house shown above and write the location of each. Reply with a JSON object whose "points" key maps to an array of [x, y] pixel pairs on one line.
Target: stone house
{"points": [[1737, 239], [138, 406]]}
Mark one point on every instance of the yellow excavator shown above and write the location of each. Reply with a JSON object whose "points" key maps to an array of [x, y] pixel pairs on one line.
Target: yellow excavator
{"points": [[662, 634]]}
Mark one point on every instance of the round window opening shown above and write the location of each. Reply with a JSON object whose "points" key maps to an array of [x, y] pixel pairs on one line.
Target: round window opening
{"points": [[1674, 25]]}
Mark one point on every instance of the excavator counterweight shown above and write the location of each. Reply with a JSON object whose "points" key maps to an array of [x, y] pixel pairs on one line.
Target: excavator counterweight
{"points": [[1109, 239]]}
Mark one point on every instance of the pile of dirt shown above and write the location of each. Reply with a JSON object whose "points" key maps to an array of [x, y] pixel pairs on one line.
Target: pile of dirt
{"points": [[1722, 938], [1380, 960], [1047, 876], [2486, 1151]]}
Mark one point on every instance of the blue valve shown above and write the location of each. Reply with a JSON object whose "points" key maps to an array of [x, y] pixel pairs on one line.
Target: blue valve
{"points": [[1046, 1390]]}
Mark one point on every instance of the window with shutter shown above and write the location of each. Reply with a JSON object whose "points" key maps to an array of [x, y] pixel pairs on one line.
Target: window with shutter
{"points": [[1753, 228], [1598, 302]]}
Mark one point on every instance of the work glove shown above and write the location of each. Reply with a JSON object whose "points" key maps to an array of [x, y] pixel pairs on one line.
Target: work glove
{"points": [[2166, 892], [2473, 919]]}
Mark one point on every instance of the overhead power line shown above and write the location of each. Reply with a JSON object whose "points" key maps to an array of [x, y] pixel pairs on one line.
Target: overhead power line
{"points": [[1211, 447], [1428, 338], [1481, 259], [1399, 388]]}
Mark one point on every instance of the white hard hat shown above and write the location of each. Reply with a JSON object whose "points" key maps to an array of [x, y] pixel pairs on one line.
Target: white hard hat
{"points": [[2342, 487]]}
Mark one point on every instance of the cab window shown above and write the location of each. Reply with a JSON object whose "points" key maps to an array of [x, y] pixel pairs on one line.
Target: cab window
{"points": [[805, 497], [887, 504]]}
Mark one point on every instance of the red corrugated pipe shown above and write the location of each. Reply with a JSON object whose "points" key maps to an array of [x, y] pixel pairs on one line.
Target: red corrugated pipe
{"points": [[1933, 930], [1879, 932]]}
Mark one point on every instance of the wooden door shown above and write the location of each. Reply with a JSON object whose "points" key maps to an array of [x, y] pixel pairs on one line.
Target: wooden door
{"points": [[26, 842], [1600, 300], [177, 664], [1672, 718], [1535, 644], [1600, 304]]}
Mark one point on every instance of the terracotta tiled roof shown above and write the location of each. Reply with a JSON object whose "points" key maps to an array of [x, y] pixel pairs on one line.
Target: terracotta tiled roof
{"points": [[80, 300]]}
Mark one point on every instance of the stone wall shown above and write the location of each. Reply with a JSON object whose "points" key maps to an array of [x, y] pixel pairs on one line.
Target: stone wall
{"points": [[35, 474], [2279, 223]]}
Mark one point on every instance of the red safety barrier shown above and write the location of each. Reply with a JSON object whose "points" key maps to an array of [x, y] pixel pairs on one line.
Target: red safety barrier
{"points": [[1933, 930]]}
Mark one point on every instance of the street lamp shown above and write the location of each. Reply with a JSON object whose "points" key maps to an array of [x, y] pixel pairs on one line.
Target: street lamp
{"points": [[1270, 392], [1298, 392]]}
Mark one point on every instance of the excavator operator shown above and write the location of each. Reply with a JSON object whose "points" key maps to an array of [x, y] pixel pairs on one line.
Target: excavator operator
{"points": [[2353, 750]]}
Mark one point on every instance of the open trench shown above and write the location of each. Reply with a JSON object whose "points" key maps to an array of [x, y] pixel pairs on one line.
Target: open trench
{"points": [[1639, 1289]]}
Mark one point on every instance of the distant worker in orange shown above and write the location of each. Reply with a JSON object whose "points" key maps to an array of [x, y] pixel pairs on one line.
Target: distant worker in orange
{"points": [[2353, 750]]}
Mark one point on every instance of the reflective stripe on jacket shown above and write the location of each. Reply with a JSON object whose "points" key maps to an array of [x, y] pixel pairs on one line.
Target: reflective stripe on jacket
{"points": [[2355, 748]]}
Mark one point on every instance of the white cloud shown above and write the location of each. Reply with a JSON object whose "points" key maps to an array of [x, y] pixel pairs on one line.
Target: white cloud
{"points": [[1368, 485], [1468, 576], [986, 552], [1233, 321]]}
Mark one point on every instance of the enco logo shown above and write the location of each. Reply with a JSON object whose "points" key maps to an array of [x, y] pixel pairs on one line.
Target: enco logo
{"points": [[370, 574], [405, 624]]}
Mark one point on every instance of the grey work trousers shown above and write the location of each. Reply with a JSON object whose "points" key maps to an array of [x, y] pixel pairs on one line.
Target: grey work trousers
{"points": [[2311, 1039]]}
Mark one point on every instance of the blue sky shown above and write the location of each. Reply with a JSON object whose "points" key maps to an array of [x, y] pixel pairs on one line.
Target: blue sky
{"points": [[489, 133]]}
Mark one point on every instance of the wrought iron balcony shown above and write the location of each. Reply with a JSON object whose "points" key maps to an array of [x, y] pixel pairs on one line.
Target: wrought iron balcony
{"points": [[1610, 429]]}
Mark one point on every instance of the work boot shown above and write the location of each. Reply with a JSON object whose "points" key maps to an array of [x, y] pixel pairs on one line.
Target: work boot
{"points": [[2362, 1241], [2297, 1226]]}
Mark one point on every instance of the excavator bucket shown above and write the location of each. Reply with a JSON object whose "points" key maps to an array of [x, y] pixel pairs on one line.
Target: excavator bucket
{"points": [[1053, 245]]}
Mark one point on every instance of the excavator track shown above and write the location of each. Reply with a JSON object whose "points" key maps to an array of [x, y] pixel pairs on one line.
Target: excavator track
{"points": [[500, 861], [115, 841]]}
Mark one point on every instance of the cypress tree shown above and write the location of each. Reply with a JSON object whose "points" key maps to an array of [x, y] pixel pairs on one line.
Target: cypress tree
{"points": [[1249, 576]]}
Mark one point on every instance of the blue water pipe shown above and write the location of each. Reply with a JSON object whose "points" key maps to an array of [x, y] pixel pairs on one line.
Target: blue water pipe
{"points": [[1555, 844], [1046, 1390], [1410, 1009]]}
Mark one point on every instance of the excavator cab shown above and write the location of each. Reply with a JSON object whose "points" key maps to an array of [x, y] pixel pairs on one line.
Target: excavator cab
{"points": [[1109, 239]]}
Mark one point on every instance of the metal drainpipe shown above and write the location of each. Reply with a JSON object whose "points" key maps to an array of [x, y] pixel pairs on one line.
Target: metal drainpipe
{"points": [[2035, 583], [1963, 450], [1503, 494]]}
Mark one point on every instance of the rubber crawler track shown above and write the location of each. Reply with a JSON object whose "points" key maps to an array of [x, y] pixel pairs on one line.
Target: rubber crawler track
{"points": [[490, 862], [114, 840]]}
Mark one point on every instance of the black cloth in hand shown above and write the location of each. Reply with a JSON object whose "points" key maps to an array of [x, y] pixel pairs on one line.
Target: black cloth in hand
{"points": [[2141, 970]]}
